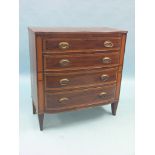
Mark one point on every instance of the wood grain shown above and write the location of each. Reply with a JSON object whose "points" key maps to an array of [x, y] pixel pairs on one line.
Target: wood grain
{"points": [[83, 68], [119, 75], [81, 43], [79, 78], [80, 61], [40, 75], [79, 97]]}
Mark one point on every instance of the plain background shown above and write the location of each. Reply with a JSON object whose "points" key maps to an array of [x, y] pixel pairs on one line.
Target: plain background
{"points": [[145, 128], [90, 131], [112, 13]]}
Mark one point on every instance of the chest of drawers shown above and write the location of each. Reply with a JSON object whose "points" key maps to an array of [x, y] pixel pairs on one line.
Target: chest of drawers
{"points": [[74, 68]]}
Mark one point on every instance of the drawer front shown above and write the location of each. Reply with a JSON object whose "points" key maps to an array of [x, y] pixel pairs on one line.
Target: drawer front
{"points": [[77, 98], [61, 62], [81, 43], [80, 78]]}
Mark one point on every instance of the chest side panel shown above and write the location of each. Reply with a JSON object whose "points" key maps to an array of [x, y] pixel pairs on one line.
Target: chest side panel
{"points": [[121, 61]]}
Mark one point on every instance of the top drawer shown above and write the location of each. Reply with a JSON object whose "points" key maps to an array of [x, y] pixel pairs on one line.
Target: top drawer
{"points": [[81, 43]]}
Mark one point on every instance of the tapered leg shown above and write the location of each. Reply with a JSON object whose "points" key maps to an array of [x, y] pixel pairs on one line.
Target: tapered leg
{"points": [[34, 108], [41, 118], [114, 108]]}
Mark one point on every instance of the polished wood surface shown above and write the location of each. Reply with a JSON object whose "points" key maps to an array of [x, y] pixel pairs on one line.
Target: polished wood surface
{"points": [[76, 29], [80, 78], [119, 75], [79, 97], [81, 43], [80, 61], [40, 75], [75, 68]]}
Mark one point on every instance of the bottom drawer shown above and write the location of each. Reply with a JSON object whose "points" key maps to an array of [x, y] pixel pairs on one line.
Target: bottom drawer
{"points": [[78, 98]]}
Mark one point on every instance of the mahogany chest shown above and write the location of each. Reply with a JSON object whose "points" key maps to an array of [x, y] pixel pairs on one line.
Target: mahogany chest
{"points": [[74, 68]]}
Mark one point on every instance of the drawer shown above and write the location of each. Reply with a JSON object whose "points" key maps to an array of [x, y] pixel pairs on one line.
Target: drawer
{"points": [[79, 78], [75, 98], [61, 62], [81, 43]]}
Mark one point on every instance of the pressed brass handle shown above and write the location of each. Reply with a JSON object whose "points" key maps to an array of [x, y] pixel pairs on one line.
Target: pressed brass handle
{"points": [[64, 81], [104, 77], [63, 45], [63, 99], [102, 94], [64, 62], [108, 44], [106, 60]]}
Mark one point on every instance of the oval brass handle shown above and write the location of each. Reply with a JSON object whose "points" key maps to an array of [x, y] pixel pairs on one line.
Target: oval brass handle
{"points": [[63, 99], [108, 43], [64, 62], [63, 45], [64, 81], [102, 94], [104, 77], [106, 60]]}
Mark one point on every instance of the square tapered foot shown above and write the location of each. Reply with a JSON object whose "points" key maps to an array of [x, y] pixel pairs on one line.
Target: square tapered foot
{"points": [[114, 108], [41, 118]]}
